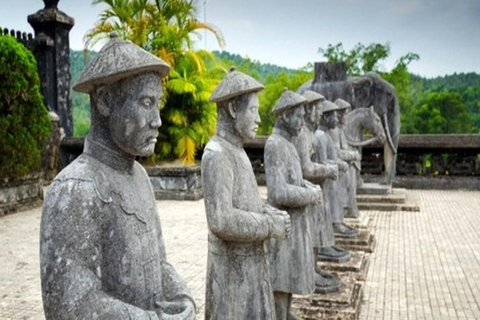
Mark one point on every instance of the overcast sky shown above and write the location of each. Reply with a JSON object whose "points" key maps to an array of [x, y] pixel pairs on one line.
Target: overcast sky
{"points": [[445, 33]]}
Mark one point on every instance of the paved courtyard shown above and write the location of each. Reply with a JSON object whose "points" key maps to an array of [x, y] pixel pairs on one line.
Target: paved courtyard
{"points": [[426, 264]]}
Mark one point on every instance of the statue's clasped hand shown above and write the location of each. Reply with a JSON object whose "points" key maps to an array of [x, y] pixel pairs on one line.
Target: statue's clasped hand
{"points": [[175, 310]]}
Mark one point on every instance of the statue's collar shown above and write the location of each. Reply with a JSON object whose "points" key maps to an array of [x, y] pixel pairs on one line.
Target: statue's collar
{"points": [[108, 156], [282, 132], [230, 137]]}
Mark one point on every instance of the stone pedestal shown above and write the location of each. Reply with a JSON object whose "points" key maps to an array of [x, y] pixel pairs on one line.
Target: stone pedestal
{"points": [[356, 267], [362, 222], [397, 200], [364, 242], [374, 188], [176, 182], [344, 304]]}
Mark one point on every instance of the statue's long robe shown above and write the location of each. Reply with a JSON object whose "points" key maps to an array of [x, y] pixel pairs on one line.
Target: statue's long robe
{"points": [[326, 152], [102, 254], [238, 279], [347, 182], [291, 260], [322, 230]]}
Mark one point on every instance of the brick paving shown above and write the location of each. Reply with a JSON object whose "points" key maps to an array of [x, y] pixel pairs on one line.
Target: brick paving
{"points": [[418, 271], [426, 264]]}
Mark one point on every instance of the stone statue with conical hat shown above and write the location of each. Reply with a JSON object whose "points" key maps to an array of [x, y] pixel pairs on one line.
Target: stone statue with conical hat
{"points": [[238, 280], [102, 253], [292, 259], [326, 152], [348, 182]]}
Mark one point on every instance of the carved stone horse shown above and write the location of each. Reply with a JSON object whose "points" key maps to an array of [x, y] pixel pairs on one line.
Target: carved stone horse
{"points": [[356, 122]]}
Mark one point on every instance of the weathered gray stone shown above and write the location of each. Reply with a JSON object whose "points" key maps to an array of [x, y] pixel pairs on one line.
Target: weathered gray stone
{"points": [[176, 182], [322, 228], [365, 241], [326, 152], [347, 183], [356, 267], [21, 193], [363, 92], [102, 253], [238, 279], [292, 260], [342, 305]]}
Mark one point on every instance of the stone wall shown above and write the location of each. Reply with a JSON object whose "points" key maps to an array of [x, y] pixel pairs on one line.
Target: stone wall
{"points": [[176, 182], [21, 194]]}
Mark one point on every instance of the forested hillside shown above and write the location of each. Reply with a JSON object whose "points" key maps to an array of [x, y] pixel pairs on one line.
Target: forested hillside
{"points": [[448, 104]]}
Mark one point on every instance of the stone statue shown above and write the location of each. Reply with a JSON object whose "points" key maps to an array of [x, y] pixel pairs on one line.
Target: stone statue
{"points": [[292, 259], [238, 278], [363, 92], [326, 152], [317, 173], [356, 123], [102, 253], [347, 183]]}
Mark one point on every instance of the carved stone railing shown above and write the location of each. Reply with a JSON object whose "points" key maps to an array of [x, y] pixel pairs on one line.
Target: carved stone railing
{"points": [[424, 161], [439, 161]]}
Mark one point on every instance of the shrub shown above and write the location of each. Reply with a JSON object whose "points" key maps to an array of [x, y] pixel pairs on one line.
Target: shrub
{"points": [[24, 121]]}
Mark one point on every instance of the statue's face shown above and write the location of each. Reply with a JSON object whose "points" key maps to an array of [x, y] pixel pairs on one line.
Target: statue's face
{"points": [[331, 119], [134, 122], [341, 116], [295, 120], [315, 112], [247, 118]]}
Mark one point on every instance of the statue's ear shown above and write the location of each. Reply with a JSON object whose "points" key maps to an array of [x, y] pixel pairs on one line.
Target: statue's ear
{"points": [[231, 110], [372, 109], [285, 116], [104, 101]]}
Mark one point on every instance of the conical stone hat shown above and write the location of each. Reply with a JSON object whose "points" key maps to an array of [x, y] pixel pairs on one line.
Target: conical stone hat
{"points": [[327, 106], [313, 96], [234, 84], [342, 104], [288, 100], [118, 59]]}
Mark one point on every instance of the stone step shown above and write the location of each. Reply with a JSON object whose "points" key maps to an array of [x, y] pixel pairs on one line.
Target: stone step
{"points": [[364, 242], [344, 304], [374, 188], [362, 222], [356, 267], [393, 198], [373, 206]]}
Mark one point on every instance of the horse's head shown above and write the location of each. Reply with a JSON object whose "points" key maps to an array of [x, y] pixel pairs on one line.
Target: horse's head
{"points": [[373, 124]]}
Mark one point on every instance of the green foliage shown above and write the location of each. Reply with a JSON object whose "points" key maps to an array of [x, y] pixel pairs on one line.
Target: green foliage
{"points": [[274, 87], [24, 121], [443, 112], [254, 68], [80, 101], [189, 119], [167, 29]]}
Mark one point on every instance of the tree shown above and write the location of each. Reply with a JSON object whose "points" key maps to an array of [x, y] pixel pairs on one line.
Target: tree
{"points": [[24, 121], [443, 112], [166, 28]]}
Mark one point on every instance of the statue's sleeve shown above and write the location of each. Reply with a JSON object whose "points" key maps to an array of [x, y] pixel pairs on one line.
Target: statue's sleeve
{"points": [[280, 192], [320, 152], [224, 220], [345, 152], [310, 170], [70, 255]]}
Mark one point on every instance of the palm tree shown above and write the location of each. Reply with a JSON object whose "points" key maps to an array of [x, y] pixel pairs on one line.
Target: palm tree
{"points": [[167, 29]]}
